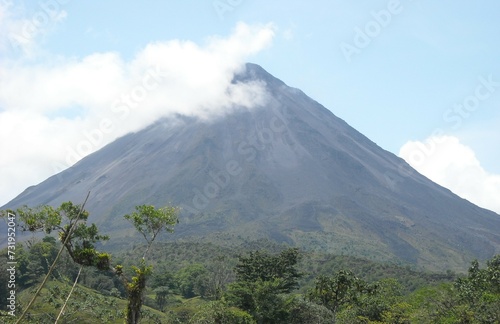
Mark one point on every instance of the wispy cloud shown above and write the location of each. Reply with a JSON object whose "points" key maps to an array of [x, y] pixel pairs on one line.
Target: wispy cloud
{"points": [[454, 165], [56, 111], [21, 32]]}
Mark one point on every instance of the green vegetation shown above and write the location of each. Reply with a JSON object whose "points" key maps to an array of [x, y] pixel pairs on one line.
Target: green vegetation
{"points": [[254, 282], [79, 240]]}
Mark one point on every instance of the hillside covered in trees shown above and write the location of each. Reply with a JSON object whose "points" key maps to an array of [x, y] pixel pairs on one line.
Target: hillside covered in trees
{"points": [[255, 282]]}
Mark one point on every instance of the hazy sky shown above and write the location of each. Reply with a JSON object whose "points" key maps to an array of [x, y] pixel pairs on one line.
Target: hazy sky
{"points": [[420, 78]]}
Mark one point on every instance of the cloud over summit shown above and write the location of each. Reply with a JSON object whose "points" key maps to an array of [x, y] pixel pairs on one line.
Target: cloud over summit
{"points": [[57, 110]]}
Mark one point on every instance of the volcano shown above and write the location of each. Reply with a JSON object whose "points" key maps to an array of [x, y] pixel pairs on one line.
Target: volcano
{"points": [[288, 170]]}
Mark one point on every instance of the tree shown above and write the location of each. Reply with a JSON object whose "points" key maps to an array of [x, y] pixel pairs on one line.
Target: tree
{"points": [[70, 222], [381, 302], [270, 305], [191, 280], [435, 304], [261, 282], [135, 291], [163, 278], [162, 282], [333, 292], [218, 276], [352, 300], [479, 292], [161, 294], [306, 312], [149, 222], [34, 260], [260, 265]]}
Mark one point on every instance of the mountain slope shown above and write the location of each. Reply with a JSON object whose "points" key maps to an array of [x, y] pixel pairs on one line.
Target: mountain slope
{"points": [[288, 170]]}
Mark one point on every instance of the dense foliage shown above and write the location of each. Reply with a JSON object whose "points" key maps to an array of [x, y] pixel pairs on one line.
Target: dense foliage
{"points": [[255, 282]]}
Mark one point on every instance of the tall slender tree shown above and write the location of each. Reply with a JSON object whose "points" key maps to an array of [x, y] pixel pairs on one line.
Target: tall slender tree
{"points": [[149, 222]]}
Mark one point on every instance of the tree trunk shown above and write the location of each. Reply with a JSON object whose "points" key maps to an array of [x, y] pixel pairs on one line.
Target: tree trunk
{"points": [[135, 291]]}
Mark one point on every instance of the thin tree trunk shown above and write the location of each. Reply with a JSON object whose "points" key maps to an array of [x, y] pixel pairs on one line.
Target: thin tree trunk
{"points": [[69, 295]]}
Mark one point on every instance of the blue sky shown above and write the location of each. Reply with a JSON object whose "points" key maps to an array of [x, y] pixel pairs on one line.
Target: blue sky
{"points": [[397, 71]]}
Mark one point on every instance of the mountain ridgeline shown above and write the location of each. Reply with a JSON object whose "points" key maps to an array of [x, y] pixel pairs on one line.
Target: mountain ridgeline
{"points": [[288, 170]]}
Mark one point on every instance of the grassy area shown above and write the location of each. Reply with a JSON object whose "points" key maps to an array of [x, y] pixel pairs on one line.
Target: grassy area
{"points": [[84, 306]]}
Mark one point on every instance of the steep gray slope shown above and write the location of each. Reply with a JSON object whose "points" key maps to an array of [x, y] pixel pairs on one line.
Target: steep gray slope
{"points": [[290, 171]]}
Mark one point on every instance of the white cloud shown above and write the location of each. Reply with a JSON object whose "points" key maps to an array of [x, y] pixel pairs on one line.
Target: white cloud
{"points": [[59, 110], [446, 161]]}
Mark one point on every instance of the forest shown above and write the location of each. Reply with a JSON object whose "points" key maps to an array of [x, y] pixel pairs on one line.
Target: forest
{"points": [[63, 275]]}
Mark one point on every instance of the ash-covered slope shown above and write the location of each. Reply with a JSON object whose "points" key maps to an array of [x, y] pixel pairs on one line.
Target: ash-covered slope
{"points": [[290, 171]]}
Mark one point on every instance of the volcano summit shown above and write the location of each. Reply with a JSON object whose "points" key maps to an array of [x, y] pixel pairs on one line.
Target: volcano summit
{"points": [[288, 170]]}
